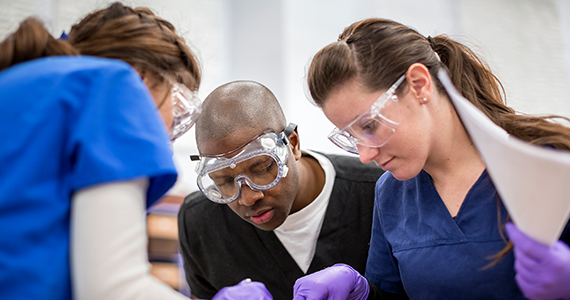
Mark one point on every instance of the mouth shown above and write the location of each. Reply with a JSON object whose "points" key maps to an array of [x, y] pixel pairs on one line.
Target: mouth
{"points": [[262, 216], [385, 165]]}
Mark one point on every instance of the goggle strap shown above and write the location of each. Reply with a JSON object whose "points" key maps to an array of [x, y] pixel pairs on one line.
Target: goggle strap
{"points": [[289, 129]]}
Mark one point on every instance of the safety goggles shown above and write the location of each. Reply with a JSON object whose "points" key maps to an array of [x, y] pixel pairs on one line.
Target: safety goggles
{"points": [[186, 108], [260, 164], [374, 127]]}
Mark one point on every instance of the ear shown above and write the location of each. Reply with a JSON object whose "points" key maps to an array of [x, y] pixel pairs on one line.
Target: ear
{"points": [[142, 73], [148, 77], [419, 80], [294, 143]]}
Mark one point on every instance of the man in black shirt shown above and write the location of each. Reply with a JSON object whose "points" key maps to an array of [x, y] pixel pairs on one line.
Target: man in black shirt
{"points": [[267, 210]]}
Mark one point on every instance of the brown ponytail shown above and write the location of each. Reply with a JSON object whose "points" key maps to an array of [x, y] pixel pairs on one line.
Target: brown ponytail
{"points": [[138, 37], [477, 83], [30, 41]]}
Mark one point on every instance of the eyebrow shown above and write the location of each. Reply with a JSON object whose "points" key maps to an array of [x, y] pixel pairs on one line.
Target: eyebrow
{"points": [[252, 166], [261, 161], [214, 177]]}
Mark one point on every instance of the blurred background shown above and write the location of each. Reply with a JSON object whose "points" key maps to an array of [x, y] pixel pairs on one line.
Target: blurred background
{"points": [[526, 43]]}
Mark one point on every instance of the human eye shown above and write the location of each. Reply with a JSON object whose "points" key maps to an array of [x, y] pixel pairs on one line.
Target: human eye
{"points": [[264, 166], [268, 167], [223, 182], [369, 126]]}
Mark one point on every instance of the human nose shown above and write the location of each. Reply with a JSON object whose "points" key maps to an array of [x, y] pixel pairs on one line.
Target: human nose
{"points": [[248, 196], [367, 154]]}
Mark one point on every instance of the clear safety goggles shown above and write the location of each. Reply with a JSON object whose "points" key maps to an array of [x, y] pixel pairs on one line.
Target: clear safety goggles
{"points": [[374, 127], [260, 164], [186, 108]]}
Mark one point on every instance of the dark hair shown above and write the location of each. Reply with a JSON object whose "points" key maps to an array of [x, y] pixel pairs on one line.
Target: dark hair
{"points": [[138, 37], [30, 41], [134, 35], [377, 52]]}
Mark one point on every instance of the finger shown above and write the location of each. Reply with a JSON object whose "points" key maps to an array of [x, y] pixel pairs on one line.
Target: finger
{"points": [[531, 248], [525, 262], [528, 288], [530, 276], [296, 287]]}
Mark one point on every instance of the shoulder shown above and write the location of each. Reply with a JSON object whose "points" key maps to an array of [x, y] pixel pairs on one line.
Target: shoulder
{"points": [[195, 203], [388, 189], [350, 167], [75, 75], [64, 65], [198, 211], [387, 183]]}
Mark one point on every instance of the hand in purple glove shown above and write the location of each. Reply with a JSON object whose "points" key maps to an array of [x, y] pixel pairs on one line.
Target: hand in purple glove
{"points": [[245, 290], [338, 282], [542, 272]]}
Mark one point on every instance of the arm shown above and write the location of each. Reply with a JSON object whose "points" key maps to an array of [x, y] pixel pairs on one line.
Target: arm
{"points": [[542, 272], [108, 248], [109, 242]]}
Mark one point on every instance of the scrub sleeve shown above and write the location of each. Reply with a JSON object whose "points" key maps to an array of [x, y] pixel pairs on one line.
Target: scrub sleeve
{"points": [[67, 123]]}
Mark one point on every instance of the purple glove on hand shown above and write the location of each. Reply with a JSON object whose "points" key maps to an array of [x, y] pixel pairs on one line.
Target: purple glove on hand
{"points": [[338, 282], [245, 290], [542, 272]]}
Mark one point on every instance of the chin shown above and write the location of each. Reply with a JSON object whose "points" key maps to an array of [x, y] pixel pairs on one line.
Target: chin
{"points": [[405, 174], [269, 226], [266, 227]]}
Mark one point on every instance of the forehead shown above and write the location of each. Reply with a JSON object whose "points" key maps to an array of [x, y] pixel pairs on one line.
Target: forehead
{"points": [[348, 102], [229, 142]]}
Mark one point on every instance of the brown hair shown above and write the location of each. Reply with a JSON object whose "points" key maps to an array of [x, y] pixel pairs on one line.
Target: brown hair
{"points": [[134, 35], [377, 52], [138, 37], [30, 41]]}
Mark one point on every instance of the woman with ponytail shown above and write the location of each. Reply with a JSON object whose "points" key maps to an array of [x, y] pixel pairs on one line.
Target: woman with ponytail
{"points": [[86, 126], [438, 226]]}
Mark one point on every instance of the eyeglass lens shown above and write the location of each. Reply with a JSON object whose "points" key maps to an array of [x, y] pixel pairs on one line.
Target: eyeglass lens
{"points": [[261, 170]]}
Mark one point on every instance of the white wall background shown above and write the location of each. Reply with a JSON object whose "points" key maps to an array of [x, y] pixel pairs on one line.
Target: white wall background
{"points": [[526, 43]]}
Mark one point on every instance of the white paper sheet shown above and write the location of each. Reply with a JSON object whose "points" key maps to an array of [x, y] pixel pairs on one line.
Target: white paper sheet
{"points": [[533, 182]]}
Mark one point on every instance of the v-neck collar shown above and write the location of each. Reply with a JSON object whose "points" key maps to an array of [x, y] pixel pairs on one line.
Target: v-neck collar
{"points": [[426, 179]]}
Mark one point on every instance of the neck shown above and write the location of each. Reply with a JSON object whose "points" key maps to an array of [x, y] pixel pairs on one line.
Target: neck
{"points": [[311, 182], [454, 163], [452, 152], [457, 158]]}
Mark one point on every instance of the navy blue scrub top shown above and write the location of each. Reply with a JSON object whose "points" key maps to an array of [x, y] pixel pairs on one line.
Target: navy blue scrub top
{"points": [[419, 249]]}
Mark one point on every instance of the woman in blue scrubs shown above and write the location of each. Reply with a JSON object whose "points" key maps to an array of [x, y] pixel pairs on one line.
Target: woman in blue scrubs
{"points": [[437, 217], [85, 150]]}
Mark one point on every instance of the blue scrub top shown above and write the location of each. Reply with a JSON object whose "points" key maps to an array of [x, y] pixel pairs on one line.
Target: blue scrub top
{"points": [[418, 248], [67, 123]]}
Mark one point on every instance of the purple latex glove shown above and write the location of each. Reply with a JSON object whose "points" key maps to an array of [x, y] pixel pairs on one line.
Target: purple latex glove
{"points": [[338, 282], [542, 272], [245, 290]]}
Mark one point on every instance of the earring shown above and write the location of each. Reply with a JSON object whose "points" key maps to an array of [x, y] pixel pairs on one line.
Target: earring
{"points": [[424, 99]]}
